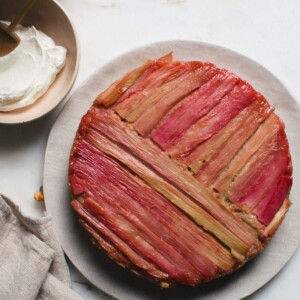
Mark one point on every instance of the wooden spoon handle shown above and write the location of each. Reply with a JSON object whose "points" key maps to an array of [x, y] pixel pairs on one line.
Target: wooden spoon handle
{"points": [[20, 15]]}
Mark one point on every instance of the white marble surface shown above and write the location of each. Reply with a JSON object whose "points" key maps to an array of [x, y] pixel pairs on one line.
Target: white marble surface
{"points": [[267, 31]]}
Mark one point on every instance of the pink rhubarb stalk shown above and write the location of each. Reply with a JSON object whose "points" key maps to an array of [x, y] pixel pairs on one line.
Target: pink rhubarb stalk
{"points": [[177, 88], [236, 100], [114, 91], [147, 85], [193, 108], [252, 116], [155, 112]]}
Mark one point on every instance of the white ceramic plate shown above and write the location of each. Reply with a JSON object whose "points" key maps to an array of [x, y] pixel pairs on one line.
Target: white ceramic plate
{"points": [[94, 265], [51, 18]]}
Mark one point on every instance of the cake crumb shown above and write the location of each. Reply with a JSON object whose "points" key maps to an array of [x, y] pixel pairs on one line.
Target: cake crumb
{"points": [[39, 196]]}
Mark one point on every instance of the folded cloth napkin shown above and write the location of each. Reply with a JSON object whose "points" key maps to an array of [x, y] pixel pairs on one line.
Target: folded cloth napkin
{"points": [[32, 264]]}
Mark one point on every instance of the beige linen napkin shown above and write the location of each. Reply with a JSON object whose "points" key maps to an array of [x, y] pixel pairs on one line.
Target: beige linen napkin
{"points": [[32, 264]]}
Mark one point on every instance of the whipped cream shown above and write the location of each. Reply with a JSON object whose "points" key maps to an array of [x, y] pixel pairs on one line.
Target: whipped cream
{"points": [[27, 72]]}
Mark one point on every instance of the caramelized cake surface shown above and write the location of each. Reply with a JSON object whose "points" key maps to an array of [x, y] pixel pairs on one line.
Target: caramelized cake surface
{"points": [[180, 171]]}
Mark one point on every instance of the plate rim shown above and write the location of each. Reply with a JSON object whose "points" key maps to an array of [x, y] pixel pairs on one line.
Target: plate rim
{"points": [[141, 48]]}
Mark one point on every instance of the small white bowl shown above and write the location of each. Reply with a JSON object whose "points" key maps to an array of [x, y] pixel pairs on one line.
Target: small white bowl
{"points": [[49, 17]]}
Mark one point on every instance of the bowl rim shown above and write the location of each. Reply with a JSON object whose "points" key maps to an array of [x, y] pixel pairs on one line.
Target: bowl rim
{"points": [[24, 120]]}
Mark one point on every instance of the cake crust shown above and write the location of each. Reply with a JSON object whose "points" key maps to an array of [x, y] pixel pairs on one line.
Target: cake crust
{"points": [[180, 171]]}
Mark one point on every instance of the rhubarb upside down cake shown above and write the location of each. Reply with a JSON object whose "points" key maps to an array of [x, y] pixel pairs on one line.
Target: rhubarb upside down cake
{"points": [[180, 171]]}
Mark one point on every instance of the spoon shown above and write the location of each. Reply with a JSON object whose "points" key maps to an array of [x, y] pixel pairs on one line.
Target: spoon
{"points": [[9, 40]]}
